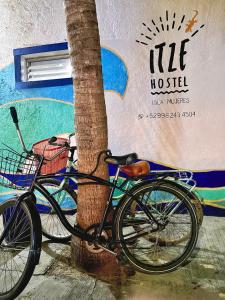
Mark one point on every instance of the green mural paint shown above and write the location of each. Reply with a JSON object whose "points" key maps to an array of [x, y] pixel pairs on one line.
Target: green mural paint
{"points": [[212, 194], [39, 119]]}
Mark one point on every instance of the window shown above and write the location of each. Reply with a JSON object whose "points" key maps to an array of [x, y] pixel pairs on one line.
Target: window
{"points": [[42, 66]]}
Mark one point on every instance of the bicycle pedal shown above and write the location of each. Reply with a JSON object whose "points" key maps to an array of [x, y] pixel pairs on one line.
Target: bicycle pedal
{"points": [[106, 249]]}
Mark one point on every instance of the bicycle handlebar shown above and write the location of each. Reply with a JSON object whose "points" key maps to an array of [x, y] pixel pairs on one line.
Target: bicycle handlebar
{"points": [[14, 114], [53, 139]]}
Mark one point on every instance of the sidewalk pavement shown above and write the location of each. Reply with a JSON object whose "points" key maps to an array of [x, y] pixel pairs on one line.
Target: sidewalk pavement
{"points": [[64, 282], [203, 278]]}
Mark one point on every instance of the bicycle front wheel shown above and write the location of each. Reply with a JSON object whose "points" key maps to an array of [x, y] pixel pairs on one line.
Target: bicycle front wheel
{"points": [[141, 237], [20, 249], [52, 228]]}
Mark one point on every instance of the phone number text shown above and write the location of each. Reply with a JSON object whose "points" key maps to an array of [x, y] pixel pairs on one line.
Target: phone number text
{"points": [[168, 115]]}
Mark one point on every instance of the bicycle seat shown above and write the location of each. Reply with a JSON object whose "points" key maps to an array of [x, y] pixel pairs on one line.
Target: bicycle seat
{"points": [[122, 160], [140, 168]]}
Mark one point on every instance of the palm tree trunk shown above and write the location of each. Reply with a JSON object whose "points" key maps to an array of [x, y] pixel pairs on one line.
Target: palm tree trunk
{"points": [[90, 120]]}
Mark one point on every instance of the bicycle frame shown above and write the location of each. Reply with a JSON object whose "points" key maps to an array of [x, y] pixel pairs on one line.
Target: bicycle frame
{"points": [[184, 176], [93, 180]]}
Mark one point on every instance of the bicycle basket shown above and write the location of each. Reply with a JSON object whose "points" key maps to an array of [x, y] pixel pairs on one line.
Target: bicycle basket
{"points": [[17, 170], [48, 151]]}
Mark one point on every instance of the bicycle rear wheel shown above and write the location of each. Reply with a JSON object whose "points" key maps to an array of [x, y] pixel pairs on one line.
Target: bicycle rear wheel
{"points": [[52, 227], [20, 249], [141, 238]]}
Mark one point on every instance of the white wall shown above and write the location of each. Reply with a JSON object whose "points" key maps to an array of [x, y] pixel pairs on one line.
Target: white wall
{"points": [[25, 23]]}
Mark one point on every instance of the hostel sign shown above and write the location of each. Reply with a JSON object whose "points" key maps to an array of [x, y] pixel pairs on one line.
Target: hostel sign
{"points": [[169, 82], [167, 60]]}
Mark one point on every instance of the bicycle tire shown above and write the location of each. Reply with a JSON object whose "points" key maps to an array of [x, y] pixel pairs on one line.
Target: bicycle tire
{"points": [[20, 250], [198, 208], [52, 227], [141, 255]]}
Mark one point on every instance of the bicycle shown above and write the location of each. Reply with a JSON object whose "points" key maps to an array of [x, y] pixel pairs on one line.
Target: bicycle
{"points": [[140, 213], [64, 194]]}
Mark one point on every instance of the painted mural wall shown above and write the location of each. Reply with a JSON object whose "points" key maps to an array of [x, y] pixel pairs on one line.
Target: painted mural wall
{"points": [[163, 69], [173, 110]]}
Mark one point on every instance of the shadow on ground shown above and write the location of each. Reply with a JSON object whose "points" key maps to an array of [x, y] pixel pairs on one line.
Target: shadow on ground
{"points": [[202, 278]]}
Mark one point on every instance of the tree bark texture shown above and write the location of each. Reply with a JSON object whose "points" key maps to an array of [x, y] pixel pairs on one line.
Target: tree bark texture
{"points": [[90, 119]]}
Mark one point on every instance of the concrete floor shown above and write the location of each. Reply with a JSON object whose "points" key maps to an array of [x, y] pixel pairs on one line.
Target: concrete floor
{"points": [[202, 278]]}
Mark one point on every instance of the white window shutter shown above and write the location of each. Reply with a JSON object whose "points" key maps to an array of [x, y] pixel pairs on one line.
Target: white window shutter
{"points": [[46, 68]]}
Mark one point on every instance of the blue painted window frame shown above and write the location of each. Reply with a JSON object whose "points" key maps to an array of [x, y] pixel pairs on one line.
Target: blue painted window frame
{"points": [[18, 53]]}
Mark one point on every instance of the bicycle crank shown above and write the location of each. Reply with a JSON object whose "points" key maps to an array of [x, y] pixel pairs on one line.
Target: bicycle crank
{"points": [[94, 247]]}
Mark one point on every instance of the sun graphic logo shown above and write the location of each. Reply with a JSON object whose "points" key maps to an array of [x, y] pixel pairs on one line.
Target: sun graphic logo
{"points": [[168, 39]]}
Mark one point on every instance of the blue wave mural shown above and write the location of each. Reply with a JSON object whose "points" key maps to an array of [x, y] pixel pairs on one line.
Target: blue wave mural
{"points": [[115, 78], [48, 111]]}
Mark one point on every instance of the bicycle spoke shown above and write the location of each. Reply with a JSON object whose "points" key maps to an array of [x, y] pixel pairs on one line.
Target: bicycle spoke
{"points": [[51, 223], [15, 248]]}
